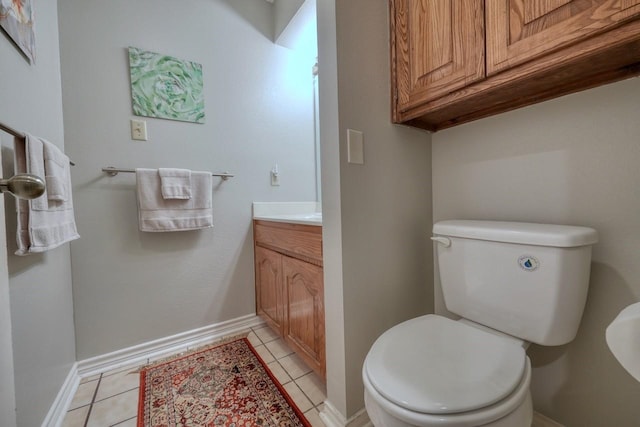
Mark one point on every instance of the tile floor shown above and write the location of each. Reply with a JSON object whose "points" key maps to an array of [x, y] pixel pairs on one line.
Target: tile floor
{"points": [[111, 398]]}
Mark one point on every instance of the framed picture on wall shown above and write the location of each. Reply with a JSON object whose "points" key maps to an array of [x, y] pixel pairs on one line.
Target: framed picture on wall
{"points": [[16, 19], [166, 87]]}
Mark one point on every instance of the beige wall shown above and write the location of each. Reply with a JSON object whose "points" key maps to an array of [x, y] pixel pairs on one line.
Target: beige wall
{"points": [[283, 11], [378, 214], [331, 205], [132, 287], [574, 160], [40, 284]]}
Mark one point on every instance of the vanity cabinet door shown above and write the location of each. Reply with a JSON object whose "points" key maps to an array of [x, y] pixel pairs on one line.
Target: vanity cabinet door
{"points": [[522, 30], [304, 311], [269, 299]]}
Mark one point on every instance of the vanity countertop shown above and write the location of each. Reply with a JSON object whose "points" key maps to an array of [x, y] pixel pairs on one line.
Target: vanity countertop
{"points": [[308, 213]]}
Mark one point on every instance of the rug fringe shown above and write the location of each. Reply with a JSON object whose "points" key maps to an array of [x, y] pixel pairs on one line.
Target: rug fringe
{"points": [[215, 343]]}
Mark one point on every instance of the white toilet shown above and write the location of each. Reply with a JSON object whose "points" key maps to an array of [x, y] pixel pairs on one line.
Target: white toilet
{"points": [[623, 339], [512, 283]]}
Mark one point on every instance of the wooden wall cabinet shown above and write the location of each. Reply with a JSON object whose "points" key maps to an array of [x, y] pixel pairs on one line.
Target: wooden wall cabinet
{"points": [[290, 288], [453, 61]]}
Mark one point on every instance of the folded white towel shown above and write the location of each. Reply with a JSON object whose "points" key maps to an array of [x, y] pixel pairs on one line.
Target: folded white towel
{"points": [[57, 174], [175, 183], [43, 223], [158, 214]]}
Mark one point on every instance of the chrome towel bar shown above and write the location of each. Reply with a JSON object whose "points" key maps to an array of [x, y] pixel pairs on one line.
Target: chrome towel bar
{"points": [[20, 135], [111, 171]]}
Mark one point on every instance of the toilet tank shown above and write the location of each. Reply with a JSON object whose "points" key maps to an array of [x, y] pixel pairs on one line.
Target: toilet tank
{"points": [[526, 280]]}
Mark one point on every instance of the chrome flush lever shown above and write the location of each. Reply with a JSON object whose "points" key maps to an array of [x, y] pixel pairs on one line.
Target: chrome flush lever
{"points": [[442, 240]]}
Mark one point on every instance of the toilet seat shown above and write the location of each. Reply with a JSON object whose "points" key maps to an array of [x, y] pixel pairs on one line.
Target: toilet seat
{"points": [[519, 402], [434, 365]]}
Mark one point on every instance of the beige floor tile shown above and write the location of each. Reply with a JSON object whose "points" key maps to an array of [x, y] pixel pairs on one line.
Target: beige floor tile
{"points": [[278, 372], [278, 348], [298, 397], [84, 394], [128, 368], [313, 416], [266, 356], [76, 417], [313, 387], [114, 410], [266, 334], [131, 422], [117, 383], [159, 358], [91, 378], [253, 339], [294, 366]]}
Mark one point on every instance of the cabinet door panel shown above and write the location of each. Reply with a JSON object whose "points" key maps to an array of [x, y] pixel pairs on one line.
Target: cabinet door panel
{"points": [[269, 298], [304, 325], [522, 30], [439, 47]]}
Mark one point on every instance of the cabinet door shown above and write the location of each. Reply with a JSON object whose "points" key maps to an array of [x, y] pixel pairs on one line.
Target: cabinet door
{"points": [[304, 311], [522, 30], [269, 297], [438, 47]]}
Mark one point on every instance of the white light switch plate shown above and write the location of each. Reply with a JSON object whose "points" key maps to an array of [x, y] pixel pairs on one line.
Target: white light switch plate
{"points": [[355, 147], [139, 130]]}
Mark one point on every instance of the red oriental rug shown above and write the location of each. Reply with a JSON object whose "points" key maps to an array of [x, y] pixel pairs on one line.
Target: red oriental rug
{"points": [[225, 385]]}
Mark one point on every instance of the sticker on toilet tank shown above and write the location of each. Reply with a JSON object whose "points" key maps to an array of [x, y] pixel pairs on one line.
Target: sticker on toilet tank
{"points": [[528, 262]]}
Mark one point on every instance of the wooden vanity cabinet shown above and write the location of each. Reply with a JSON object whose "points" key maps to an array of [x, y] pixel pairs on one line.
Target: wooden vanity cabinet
{"points": [[304, 311], [454, 61], [269, 292], [290, 288]]}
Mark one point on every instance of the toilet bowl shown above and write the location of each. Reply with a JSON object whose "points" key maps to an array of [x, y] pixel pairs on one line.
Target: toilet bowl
{"points": [[454, 375]]}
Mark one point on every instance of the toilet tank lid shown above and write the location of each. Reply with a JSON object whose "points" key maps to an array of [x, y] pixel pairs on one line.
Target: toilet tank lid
{"points": [[565, 236]]}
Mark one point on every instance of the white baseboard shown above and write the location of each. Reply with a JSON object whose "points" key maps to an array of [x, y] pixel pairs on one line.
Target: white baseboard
{"points": [[58, 409], [163, 347], [141, 354], [540, 420], [360, 419], [331, 417]]}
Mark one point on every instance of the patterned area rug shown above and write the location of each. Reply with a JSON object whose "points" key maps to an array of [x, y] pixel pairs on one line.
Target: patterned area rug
{"points": [[224, 385]]}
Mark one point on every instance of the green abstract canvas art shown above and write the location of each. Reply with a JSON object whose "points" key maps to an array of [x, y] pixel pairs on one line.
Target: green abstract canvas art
{"points": [[166, 87]]}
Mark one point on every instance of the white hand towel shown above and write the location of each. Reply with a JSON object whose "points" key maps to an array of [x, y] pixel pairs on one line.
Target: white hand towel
{"points": [[175, 183], [43, 224], [57, 174], [157, 214]]}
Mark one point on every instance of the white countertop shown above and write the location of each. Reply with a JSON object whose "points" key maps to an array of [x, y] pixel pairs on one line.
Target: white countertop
{"points": [[308, 213]]}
